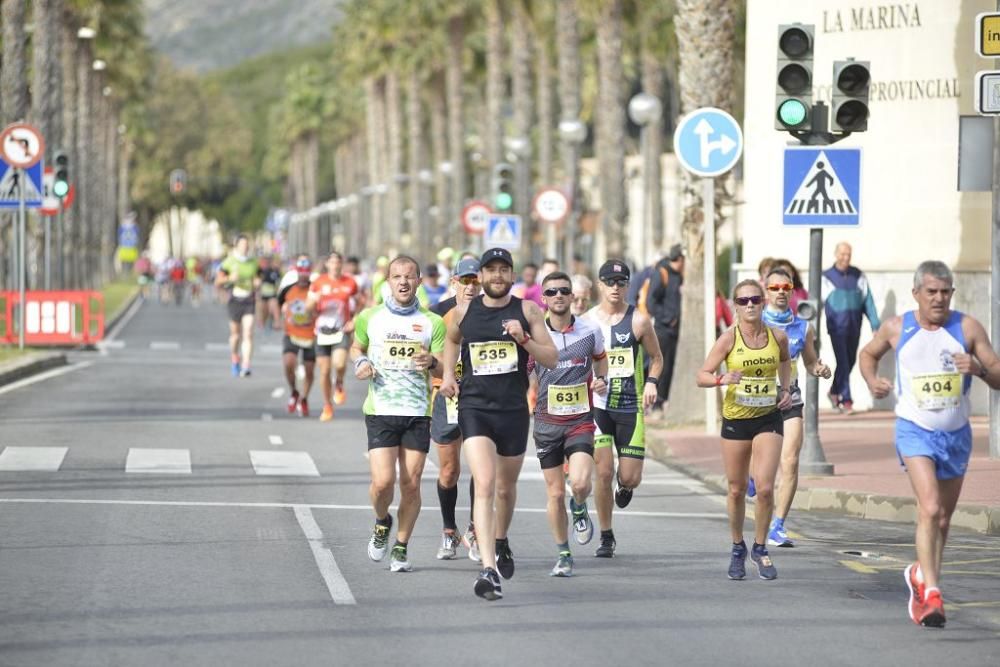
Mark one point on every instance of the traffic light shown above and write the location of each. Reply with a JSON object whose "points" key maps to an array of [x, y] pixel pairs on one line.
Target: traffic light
{"points": [[851, 84], [793, 97], [178, 181], [503, 187], [60, 185]]}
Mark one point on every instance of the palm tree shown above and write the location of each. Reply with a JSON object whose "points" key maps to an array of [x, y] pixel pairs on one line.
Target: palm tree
{"points": [[454, 84], [542, 31], [610, 129], [72, 240], [523, 103], [567, 27], [13, 76], [706, 79]]}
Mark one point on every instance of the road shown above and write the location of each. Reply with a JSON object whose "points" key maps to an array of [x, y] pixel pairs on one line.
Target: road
{"points": [[244, 542]]}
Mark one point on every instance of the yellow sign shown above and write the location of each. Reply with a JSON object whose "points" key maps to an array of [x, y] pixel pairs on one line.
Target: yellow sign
{"points": [[988, 34], [127, 255]]}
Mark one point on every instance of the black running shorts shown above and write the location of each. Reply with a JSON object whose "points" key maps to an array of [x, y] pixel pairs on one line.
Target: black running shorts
{"points": [[748, 429], [288, 347], [627, 430], [398, 431], [442, 432], [238, 308], [555, 443], [508, 429]]}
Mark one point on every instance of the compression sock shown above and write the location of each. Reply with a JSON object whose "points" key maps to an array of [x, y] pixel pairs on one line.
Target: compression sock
{"points": [[448, 498]]}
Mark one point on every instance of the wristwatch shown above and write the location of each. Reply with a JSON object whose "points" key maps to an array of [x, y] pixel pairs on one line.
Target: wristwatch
{"points": [[982, 371], [602, 378]]}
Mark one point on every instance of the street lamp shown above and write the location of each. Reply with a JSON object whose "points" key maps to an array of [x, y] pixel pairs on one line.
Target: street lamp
{"points": [[99, 65], [645, 110], [86, 32], [572, 133]]}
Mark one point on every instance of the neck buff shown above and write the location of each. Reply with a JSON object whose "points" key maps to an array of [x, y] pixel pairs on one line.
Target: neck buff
{"points": [[774, 317], [397, 309]]}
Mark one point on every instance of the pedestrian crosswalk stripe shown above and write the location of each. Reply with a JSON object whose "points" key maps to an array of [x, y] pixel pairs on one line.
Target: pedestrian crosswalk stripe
{"points": [[298, 464], [821, 192], [278, 392], [216, 347], [164, 345], [39, 459], [270, 348], [166, 461], [275, 440]]}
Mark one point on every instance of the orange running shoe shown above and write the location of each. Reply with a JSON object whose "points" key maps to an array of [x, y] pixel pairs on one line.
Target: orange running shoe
{"points": [[327, 414], [916, 603], [933, 614], [339, 395]]}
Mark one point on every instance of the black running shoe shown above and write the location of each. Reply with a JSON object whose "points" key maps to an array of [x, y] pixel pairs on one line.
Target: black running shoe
{"points": [[623, 495], [762, 560], [488, 584], [607, 548], [738, 562], [505, 560]]}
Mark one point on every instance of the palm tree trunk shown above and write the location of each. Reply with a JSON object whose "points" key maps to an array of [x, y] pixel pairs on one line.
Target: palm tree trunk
{"points": [[13, 75], [373, 207], [544, 105], [456, 126], [523, 116], [610, 135], [69, 272], [394, 146], [359, 173], [705, 80], [416, 230], [653, 73], [439, 149], [493, 130], [568, 53], [84, 161]]}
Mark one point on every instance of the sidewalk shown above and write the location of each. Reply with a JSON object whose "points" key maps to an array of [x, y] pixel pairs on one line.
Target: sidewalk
{"points": [[868, 481]]}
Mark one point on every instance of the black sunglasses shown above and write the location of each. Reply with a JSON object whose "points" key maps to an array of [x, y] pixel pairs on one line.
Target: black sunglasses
{"points": [[612, 282], [552, 291], [744, 300]]}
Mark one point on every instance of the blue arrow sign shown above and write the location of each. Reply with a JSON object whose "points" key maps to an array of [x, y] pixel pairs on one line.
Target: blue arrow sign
{"points": [[822, 187], [128, 236], [708, 142], [10, 185]]}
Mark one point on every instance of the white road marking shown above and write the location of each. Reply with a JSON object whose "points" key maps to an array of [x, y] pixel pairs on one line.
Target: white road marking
{"points": [[156, 461], [55, 372], [276, 440], [298, 464], [359, 508], [271, 348], [133, 309], [266, 417], [105, 345], [41, 459], [216, 347], [335, 582], [278, 392], [164, 345]]}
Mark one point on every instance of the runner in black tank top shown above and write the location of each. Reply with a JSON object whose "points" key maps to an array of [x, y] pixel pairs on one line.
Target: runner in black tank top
{"points": [[494, 334]]}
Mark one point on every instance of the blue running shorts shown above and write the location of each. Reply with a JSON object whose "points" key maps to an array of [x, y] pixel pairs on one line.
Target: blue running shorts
{"points": [[950, 450]]}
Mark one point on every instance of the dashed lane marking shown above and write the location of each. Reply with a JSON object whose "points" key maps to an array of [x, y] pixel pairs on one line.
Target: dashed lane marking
{"points": [[327, 564], [158, 461], [35, 459], [162, 345], [293, 464], [278, 392], [266, 417], [275, 440]]}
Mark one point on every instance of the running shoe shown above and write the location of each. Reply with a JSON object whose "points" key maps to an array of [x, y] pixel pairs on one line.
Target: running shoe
{"points": [[470, 543], [776, 536], [488, 584], [236, 369], [848, 407], [304, 408], [379, 542], [583, 527], [398, 562], [933, 614], [327, 413], [751, 489], [623, 495], [244, 372], [915, 606], [762, 561], [563, 566], [738, 562], [505, 559], [607, 548], [339, 395], [293, 402], [449, 546]]}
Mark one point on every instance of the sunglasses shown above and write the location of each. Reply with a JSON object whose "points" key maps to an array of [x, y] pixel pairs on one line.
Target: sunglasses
{"points": [[552, 291], [469, 280], [612, 282], [784, 287], [744, 300]]}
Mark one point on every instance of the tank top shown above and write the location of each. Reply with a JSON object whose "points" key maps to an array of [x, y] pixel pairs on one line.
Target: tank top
{"points": [[494, 367], [625, 364], [756, 394], [930, 392]]}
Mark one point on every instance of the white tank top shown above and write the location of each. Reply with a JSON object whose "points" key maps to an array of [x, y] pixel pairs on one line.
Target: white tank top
{"points": [[930, 392]]}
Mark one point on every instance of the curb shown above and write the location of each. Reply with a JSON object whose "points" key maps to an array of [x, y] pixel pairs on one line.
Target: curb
{"points": [[979, 518], [30, 365]]}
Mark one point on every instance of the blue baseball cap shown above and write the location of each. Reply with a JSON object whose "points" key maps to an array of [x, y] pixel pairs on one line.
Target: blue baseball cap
{"points": [[467, 267]]}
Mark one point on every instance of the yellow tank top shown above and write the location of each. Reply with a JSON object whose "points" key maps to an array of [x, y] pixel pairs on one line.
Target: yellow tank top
{"points": [[756, 394]]}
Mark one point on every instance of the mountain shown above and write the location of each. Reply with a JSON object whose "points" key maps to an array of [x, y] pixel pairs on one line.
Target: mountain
{"points": [[206, 35]]}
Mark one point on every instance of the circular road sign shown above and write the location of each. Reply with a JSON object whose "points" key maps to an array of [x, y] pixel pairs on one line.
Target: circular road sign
{"points": [[551, 205], [708, 142], [21, 145], [475, 216]]}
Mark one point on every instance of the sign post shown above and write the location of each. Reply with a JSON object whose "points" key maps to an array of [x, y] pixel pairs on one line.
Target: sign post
{"points": [[708, 143]]}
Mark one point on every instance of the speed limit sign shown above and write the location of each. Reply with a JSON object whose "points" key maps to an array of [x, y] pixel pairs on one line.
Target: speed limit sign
{"points": [[475, 216], [551, 205]]}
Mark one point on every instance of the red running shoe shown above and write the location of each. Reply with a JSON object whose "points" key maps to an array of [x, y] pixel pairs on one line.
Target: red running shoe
{"points": [[916, 604], [293, 402], [933, 615]]}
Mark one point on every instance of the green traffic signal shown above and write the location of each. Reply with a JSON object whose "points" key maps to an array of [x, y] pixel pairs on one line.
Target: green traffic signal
{"points": [[60, 189], [503, 201], [792, 113]]}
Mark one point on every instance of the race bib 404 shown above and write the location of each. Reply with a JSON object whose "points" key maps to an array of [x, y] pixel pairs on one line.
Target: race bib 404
{"points": [[493, 357], [937, 391]]}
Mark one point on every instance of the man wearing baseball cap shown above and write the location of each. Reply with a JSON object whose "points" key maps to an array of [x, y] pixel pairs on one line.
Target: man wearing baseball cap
{"points": [[618, 414], [493, 335]]}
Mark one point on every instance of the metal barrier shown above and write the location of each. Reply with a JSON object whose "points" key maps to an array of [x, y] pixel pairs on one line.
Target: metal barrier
{"points": [[53, 318]]}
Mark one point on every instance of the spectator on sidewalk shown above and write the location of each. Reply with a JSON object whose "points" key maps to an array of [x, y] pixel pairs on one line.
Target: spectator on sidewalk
{"points": [[846, 299], [528, 288], [583, 290], [663, 302], [938, 351]]}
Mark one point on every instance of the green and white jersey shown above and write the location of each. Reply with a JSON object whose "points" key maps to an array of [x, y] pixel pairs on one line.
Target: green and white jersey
{"points": [[391, 342]]}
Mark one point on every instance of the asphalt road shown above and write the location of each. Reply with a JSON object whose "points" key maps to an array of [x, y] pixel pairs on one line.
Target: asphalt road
{"points": [[245, 543]]}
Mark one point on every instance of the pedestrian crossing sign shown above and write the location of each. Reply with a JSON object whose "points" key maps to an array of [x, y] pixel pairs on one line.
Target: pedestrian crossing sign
{"points": [[822, 187], [10, 184], [503, 231]]}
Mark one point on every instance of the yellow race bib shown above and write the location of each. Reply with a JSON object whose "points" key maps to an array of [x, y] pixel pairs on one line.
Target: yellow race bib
{"points": [[493, 357], [397, 355], [937, 391], [757, 392], [621, 362], [573, 399]]}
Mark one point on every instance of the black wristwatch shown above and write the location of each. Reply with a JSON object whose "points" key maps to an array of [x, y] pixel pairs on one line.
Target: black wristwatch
{"points": [[652, 379], [982, 372], [434, 363]]}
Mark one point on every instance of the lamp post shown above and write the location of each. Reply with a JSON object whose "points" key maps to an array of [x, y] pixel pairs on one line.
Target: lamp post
{"points": [[645, 109], [572, 133]]}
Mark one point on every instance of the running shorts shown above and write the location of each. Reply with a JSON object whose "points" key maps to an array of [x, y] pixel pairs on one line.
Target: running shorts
{"points": [[327, 350], [238, 308], [442, 431], [555, 443], [289, 347], [950, 450], [626, 430], [748, 429], [508, 429], [399, 431]]}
